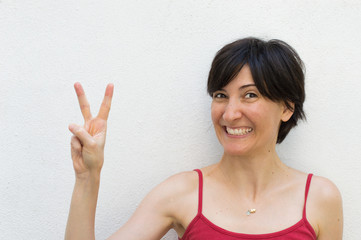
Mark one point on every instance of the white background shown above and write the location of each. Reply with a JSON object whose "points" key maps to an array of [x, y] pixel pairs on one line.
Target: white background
{"points": [[158, 54]]}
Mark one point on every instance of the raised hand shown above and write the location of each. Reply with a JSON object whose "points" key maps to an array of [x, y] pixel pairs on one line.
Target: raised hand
{"points": [[87, 143]]}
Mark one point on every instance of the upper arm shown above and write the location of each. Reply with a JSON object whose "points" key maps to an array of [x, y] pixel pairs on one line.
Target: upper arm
{"points": [[325, 209], [156, 213]]}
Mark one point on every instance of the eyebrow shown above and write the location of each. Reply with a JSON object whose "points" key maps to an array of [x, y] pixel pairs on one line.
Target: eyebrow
{"points": [[242, 87], [247, 85]]}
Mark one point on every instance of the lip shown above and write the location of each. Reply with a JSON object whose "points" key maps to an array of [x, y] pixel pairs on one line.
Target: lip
{"points": [[236, 136]]}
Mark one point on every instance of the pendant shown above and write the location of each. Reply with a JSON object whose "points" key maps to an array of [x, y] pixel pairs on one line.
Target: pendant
{"points": [[250, 211]]}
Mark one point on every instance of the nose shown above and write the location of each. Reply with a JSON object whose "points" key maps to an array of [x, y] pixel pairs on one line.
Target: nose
{"points": [[233, 111]]}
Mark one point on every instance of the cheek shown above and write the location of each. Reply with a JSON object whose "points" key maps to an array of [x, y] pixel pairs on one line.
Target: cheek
{"points": [[215, 113], [265, 117], [255, 113], [269, 120]]}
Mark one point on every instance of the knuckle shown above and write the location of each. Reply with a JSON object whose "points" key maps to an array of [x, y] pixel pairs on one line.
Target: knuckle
{"points": [[92, 144], [106, 105], [74, 143], [84, 106], [78, 131]]}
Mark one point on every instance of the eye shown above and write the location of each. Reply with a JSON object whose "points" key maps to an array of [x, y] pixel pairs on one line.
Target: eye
{"points": [[219, 95], [250, 95]]}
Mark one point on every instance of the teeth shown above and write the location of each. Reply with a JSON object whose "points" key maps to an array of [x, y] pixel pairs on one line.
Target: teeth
{"points": [[239, 131]]}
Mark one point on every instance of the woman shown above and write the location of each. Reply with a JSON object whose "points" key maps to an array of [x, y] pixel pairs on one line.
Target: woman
{"points": [[258, 93]]}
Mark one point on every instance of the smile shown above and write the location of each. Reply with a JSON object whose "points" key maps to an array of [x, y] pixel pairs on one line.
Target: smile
{"points": [[238, 131]]}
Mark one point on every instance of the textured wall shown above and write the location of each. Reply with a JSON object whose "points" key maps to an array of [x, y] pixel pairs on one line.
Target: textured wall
{"points": [[158, 53]]}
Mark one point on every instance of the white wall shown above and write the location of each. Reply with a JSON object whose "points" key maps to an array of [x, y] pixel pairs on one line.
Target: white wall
{"points": [[158, 53]]}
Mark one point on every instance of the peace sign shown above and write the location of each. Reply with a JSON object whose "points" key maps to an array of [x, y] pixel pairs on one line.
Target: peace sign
{"points": [[87, 143]]}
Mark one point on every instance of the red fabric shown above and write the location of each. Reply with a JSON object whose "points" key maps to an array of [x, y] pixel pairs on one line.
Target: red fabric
{"points": [[202, 229]]}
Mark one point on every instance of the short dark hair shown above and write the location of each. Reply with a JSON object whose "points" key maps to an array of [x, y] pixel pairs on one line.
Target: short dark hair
{"points": [[277, 71]]}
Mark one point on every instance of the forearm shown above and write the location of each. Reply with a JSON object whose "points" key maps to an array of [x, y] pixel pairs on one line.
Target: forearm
{"points": [[82, 209]]}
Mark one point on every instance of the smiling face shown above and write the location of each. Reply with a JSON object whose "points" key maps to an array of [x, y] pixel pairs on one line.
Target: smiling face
{"points": [[246, 122]]}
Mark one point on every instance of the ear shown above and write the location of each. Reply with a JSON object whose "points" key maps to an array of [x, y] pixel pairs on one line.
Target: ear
{"points": [[287, 112]]}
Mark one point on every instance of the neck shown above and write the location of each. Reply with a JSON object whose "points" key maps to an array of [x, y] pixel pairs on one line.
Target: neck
{"points": [[252, 176]]}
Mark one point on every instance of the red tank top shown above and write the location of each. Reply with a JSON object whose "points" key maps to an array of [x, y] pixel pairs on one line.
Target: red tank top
{"points": [[201, 228]]}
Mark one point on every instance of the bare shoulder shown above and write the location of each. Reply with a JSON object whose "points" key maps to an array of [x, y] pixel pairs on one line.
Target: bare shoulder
{"points": [[161, 209], [178, 196], [173, 193], [179, 184], [324, 208], [324, 195], [325, 187]]}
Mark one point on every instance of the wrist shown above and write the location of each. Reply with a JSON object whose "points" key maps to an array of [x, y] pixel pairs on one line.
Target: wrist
{"points": [[91, 177], [87, 188]]}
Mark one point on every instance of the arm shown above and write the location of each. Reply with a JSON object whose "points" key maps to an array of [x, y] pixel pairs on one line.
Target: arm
{"points": [[82, 209], [326, 210], [165, 207], [87, 151], [155, 215]]}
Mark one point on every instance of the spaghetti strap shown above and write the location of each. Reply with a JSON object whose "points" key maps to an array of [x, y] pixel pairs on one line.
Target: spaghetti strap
{"points": [[200, 190], [308, 183]]}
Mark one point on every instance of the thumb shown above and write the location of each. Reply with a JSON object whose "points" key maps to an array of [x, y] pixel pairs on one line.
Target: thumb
{"points": [[80, 132]]}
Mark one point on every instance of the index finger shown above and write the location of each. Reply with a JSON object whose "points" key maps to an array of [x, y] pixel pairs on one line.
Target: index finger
{"points": [[105, 107], [83, 102]]}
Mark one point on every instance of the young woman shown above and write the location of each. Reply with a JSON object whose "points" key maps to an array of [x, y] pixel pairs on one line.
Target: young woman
{"points": [[257, 89]]}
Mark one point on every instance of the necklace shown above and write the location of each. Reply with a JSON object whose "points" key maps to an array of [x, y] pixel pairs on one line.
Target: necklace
{"points": [[251, 211]]}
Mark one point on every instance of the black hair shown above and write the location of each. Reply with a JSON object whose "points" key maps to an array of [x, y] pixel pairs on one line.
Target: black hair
{"points": [[276, 68]]}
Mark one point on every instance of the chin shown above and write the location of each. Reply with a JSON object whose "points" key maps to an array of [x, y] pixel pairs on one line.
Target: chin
{"points": [[236, 151]]}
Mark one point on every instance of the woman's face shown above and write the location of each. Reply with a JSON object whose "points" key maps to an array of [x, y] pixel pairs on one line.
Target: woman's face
{"points": [[246, 122]]}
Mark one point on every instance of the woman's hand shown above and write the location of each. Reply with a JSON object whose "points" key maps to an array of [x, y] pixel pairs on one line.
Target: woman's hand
{"points": [[87, 143], [87, 152]]}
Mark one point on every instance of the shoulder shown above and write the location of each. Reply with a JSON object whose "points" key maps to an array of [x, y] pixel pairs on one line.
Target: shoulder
{"points": [[173, 192], [160, 209], [180, 183], [325, 188], [325, 192], [176, 198], [324, 207]]}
